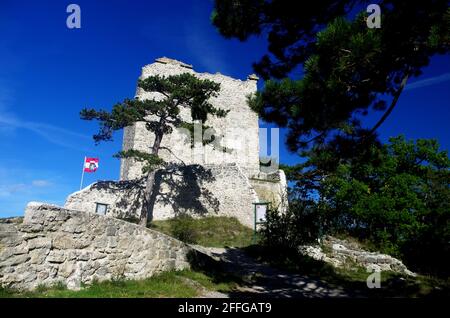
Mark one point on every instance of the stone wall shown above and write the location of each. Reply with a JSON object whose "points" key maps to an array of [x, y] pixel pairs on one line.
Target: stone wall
{"points": [[124, 198], [238, 131], [54, 245], [218, 190], [271, 188]]}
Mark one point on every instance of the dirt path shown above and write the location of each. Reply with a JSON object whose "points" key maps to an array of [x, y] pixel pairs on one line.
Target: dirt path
{"points": [[261, 280]]}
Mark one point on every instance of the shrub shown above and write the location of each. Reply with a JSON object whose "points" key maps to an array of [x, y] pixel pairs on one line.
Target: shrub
{"points": [[298, 226], [396, 196], [183, 228]]}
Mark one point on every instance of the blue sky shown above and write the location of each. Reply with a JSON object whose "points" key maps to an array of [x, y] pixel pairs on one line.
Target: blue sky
{"points": [[49, 72]]}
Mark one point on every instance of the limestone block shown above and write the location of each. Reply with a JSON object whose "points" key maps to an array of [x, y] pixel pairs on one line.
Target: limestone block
{"points": [[64, 242], [15, 260], [40, 242], [38, 256], [56, 256]]}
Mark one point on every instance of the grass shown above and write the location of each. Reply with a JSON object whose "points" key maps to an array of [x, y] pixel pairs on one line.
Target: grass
{"points": [[352, 278], [185, 284], [207, 231]]}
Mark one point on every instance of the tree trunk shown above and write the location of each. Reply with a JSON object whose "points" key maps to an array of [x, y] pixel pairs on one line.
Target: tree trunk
{"points": [[143, 218]]}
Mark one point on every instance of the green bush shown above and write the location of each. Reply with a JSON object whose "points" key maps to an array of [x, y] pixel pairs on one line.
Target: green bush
{"points": [[183, 228], [395, 196], [400, 201], [299, 225]]}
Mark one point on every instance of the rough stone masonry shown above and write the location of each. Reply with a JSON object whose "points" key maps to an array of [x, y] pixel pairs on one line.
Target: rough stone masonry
{"points": [[55, 245], [201, 180]]}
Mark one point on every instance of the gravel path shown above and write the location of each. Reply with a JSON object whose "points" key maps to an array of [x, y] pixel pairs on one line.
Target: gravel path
{"points": [[261, 280]]}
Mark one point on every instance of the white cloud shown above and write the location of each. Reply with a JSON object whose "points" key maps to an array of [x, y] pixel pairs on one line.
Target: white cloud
{"points": [[8, 190], [429, 81], [53, 134], [41, 183], [9, 122], [18, 186]]}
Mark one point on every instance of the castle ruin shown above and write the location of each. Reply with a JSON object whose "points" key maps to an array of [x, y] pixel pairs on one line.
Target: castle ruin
{"points": [[222, 178]]}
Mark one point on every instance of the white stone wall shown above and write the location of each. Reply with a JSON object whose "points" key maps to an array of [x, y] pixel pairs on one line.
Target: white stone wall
{"points": [[239, 128], [271, 188], [223, 190], [124, 198], [58, 245], [215, 190]]}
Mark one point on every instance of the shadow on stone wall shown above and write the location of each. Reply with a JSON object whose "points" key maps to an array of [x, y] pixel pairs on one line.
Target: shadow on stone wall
{"points": [[131, 192], [183, 188]]}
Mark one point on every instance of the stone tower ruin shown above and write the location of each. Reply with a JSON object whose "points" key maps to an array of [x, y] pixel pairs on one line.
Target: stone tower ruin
{"points": [[222, 178], [239, 128]]}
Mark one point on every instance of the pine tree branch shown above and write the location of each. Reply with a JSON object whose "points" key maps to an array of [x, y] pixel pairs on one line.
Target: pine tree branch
{"points": [[392, 106]]}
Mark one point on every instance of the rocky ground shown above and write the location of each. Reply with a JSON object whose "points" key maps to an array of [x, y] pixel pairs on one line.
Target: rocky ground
{"points": [[264, 281], [341, 252]]}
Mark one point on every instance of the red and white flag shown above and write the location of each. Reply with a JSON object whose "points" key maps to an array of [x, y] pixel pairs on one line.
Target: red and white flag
{"points": [[90, 164]]}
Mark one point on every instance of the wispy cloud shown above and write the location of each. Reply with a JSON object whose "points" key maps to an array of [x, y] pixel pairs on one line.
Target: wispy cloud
{"points": [[7, 190], [429, 81], [41, 183], [56, 135], [20, 185]]}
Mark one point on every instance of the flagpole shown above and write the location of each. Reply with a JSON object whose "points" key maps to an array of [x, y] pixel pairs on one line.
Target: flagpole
{"points": [[82, 173]]}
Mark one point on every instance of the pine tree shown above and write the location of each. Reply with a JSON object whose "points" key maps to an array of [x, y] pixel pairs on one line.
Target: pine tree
{"points": [[160, 116], [327, 68]]}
